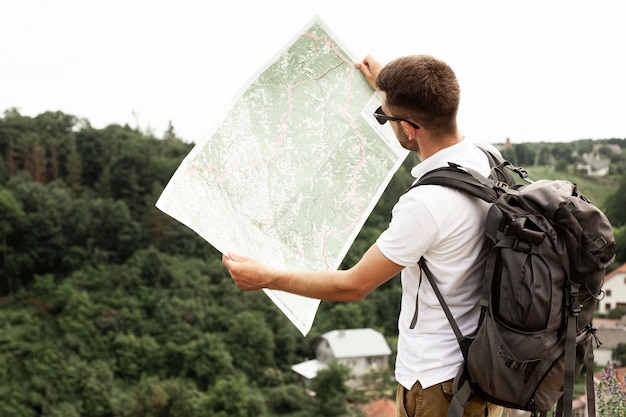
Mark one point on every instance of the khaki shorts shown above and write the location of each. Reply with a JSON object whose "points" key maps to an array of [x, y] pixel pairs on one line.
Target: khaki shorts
{"points": [[434, 402]]}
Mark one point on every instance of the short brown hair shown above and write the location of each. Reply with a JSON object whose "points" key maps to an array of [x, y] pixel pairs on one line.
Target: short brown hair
{"points": [[424, 89]]}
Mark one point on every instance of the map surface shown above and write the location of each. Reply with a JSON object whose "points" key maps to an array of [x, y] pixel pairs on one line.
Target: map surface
{"points": [[295, 168]]}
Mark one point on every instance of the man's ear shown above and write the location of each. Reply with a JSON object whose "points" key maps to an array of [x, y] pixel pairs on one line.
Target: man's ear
{"points": [[408, 129]]}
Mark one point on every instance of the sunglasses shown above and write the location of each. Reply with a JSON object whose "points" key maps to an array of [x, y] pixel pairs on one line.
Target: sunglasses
{"points": [[382, 118]]}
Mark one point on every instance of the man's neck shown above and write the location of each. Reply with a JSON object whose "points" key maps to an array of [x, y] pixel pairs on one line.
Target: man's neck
{"points": [[431, 147]]}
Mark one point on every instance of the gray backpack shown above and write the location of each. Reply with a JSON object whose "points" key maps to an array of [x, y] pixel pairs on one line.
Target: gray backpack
{"points": [[549, 247]]}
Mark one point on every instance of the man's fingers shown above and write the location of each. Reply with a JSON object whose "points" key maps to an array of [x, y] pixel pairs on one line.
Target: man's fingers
{"points": [[233, 257], [369, 67], [228, 260]]}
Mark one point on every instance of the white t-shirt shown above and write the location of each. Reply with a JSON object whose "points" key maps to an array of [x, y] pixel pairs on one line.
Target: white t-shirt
{"points": [[446, 227]]}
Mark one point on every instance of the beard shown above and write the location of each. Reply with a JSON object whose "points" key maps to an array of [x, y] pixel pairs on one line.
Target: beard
{"points": [[407, 143]]}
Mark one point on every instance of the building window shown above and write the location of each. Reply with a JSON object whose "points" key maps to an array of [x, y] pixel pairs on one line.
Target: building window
{"points": [[607, 293], [607, 306]]}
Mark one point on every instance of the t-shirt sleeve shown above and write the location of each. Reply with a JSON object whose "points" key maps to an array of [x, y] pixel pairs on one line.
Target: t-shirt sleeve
{"points": [[412, 229]]}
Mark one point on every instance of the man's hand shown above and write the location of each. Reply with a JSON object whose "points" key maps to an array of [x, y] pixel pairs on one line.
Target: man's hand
{"points": [[370, 68], [248, 273]]}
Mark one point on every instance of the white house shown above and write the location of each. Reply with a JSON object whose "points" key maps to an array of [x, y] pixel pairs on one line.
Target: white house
{"points": [[593, 165], [361, 350], [308, 370], [614, 290]]}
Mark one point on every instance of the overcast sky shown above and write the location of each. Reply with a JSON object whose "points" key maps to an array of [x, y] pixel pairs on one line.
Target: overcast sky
{"points": [[530, 70]]}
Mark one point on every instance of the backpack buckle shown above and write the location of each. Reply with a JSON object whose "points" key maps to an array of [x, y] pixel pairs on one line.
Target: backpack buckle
{"points": [[575, 305], [511, 364], [522, 246], [501, 186]]}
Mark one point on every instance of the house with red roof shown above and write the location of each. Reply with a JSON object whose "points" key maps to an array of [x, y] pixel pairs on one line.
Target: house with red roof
{"points": [[610, 332], [383, 407], [614, 290]]}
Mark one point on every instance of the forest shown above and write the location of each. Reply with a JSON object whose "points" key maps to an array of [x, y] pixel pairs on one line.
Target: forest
{"points": [[110, 308]]}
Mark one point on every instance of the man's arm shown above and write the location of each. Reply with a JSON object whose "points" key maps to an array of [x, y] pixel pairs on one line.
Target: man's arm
{"points": [[344, 285]]}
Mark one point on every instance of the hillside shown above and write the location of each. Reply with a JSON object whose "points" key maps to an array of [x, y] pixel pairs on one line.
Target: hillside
{"points": [[595, 189], [108, 307]]}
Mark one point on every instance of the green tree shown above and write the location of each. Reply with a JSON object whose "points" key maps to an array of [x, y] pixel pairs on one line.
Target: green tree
{"points": [[64, 409], [347, 316], [380, 380], [11, 218], [620, 245], [619, 354], [39, 241], [113, 234], [524, 155], [617, 313], [35, 164], [74, 166], [166, 398], [251, 338], [232, 396], [615, 204], [205, 359], [605, 151], [331, 392], [386, 302], [544, 156], [287, 398], [134, 355], [563, 153]]}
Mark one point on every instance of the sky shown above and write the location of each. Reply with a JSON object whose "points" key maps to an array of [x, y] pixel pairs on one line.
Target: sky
{"points": [[529, 70]]}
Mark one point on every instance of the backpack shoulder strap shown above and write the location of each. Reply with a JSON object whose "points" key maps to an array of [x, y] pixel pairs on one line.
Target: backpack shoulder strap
{"points": [[464, 342], [501, 167], [472, 182], [454, 176], [462, 387]]}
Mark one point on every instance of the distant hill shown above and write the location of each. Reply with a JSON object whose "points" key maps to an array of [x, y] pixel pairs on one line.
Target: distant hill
{"points": [[595, 189]]}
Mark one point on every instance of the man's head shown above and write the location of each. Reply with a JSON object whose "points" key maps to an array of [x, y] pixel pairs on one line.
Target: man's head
{"points": [[422, 89]]}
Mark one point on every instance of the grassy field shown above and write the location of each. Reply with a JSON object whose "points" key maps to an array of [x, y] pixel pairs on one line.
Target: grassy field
{"points": [[594, 189]]}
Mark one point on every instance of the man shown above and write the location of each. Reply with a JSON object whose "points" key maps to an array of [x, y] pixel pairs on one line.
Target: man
{"points": [[420, 96]]}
